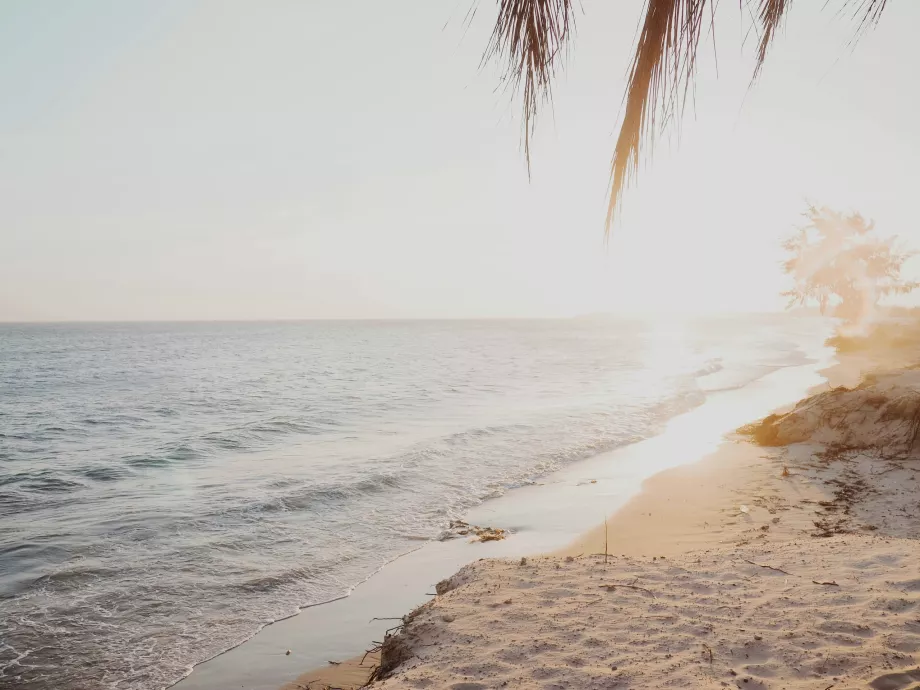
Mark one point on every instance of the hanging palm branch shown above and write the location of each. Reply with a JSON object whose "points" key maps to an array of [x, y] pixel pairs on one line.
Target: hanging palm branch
{"points": [[531, 36]]}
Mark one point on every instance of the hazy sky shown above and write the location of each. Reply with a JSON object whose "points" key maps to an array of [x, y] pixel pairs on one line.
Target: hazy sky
{"points": [[171, 159]]}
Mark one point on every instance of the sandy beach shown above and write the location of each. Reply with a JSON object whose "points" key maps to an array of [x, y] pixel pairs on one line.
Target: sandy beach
{"points": [[459, 345], [793, 565]]}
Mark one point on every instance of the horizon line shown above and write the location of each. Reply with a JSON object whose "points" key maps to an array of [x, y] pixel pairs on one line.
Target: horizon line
{"points": [[589, 315]]}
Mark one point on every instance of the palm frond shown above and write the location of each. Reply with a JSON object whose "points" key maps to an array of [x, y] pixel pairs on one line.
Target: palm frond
{"points": [[530, 37], [771, 16], [662, 68], [868, 12], [664, 64]]}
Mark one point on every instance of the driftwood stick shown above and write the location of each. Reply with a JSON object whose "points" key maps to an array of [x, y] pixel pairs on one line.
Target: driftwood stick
{"points": [[373, 677], [708, 649], [372, 650], [605, 541], [610, 588], [830, 584], [768, 567]]}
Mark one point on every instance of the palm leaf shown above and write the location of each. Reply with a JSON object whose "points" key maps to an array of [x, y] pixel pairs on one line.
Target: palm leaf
{"points": [[530, 37]]}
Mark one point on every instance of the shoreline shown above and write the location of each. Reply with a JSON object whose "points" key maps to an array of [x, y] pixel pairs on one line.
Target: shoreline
{"points": [[352, 671], [654, 521], [679, 510], [651, 520], [791, 564], [545, 518]]}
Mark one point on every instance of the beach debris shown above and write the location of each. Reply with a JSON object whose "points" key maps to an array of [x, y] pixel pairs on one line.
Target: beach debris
{"points": [[287, 653], [744, 509], [459, 528], [448, 618], [849, 489], [707, 649], [333, 663], [523, 560], [488, 534], [394, 650]]}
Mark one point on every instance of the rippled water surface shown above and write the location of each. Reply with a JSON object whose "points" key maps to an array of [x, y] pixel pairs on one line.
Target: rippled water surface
{"points": [[167, 489]]}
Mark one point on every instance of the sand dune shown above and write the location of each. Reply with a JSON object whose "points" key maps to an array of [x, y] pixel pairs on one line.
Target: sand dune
{"points": [[882, 414]]}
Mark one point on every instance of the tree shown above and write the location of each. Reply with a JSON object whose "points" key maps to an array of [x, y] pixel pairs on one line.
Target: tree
{"points": [[837, 261], [532, 36]]}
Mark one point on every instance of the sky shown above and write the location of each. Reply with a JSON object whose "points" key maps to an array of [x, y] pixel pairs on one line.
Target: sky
{"points": [[225, 159]]}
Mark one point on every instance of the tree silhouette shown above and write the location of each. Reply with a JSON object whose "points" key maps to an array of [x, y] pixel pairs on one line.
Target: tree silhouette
{"points": [[838, 262]]}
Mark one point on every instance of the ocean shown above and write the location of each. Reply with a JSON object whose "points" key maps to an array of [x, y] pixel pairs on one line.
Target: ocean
{"points": [[168, 489]]}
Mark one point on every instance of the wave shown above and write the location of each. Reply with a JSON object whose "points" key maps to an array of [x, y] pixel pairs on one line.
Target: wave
{"points": [[284, 426], [52, 484], [464, 437], [75, 577], [244, 437], [255, 434], [168, 455], [16, 503], [267, 583], [711, 367], [106, 473], [147, 461], [330, 493]]}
